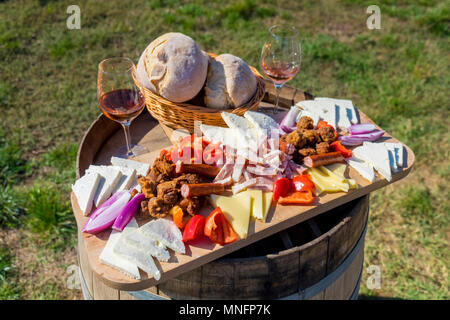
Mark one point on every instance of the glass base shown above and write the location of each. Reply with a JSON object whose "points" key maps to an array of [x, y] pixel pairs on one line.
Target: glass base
{"points": [[136, 150]]}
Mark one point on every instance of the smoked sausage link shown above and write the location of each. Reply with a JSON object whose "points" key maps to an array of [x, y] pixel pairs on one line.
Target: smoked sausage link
{"points": [[324, 159], [201, 189]]}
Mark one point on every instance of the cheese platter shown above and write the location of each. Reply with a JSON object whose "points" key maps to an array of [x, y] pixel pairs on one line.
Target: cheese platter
{"points": [[248, 207]]}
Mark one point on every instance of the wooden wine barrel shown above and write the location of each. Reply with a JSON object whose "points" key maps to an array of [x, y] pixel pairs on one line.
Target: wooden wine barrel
{"points": [[323, 261], [320, 258]]}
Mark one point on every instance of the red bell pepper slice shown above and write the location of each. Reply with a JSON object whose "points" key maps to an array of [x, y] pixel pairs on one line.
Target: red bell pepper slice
{"points": [[281, 188], [194, 228], [298, 197], [337, 146], [217, 228], [303, 183]]}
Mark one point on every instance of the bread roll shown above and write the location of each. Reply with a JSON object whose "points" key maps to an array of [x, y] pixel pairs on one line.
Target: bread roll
{"points": [[230, 82], [173, 66]]}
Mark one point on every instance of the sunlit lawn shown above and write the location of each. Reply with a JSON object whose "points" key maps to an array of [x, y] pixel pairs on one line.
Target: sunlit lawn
{"points": [[397, 75]]}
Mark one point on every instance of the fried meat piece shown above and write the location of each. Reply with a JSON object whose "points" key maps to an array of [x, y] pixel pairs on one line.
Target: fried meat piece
{"points": [[168, 192], [305, 123], [310, 136], [148, 186], [307, 152], [322, 147], [296, 139], [326, 134], [189, 178], [162, 165], [191, 205], [156, 207]]}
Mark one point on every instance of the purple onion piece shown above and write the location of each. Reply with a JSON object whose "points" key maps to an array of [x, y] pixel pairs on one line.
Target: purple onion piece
{"points": [[104, 206], [287, 129], [357, 139], [361, 128], [108, 216], [290, 118], [128, 212]]}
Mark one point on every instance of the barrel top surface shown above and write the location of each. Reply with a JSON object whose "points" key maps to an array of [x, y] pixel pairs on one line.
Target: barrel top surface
{"points": [[148, 132]]}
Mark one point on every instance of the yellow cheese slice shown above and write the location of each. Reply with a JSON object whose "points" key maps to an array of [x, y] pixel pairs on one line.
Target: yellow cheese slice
{"points": [[267, 202], [236, 210], [257, 210], [327, 181], [337, 168]]}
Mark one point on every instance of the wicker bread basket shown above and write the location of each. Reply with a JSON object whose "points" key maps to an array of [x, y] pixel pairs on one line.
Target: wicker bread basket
{"points": [[182, 115]]}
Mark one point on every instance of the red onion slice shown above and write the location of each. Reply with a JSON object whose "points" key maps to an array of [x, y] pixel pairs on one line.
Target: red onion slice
{"points": [[361, 128], [357, 139]]}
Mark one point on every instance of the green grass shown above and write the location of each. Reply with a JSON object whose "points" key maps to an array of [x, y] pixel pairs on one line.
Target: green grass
{"points": [[397, 75], [8, 289]]}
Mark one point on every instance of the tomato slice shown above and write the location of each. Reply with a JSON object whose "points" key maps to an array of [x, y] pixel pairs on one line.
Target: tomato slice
{"points": [[194, 228]]}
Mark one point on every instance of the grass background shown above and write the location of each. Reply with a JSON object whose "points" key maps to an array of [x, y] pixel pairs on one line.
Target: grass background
{"points": [[397, 75]]}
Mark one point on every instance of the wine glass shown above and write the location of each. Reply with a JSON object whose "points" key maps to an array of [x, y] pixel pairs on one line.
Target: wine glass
{"points": [[120, 99], [280, 57]]}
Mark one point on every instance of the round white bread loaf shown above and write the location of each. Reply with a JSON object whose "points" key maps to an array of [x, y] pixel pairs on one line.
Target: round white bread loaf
{"points": [[230, 82], [173, 66]]}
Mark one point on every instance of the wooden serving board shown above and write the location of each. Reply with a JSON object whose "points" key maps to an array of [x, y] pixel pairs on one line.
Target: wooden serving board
{"points": [[104, 137]]}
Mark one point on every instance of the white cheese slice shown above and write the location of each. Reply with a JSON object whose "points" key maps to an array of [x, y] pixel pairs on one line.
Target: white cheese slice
{"points": [[110, 177], [326, 109], [147, 244], [345, 104], [166, 232], [397, 149], [264, 124], [242, 128], [127, 179], [363, 168], [140, 167], [109, 257], [343, 121], [138, 257], [379, 158], [84, 189], [225, 136], [391, 152]]}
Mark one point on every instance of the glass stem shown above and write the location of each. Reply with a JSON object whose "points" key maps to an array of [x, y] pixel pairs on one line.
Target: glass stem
{"points": [[277, 93], [126, 128]]}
